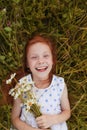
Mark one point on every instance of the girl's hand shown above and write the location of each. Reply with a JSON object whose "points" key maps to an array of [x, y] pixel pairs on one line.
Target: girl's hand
{"points": [[44, 121]]}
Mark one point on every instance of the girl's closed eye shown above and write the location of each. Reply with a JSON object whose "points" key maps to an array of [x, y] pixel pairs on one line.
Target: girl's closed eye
{"points": [[46, 56], [34, 57]]}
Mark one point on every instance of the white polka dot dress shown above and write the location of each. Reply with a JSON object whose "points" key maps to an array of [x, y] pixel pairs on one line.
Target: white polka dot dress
{"points": [[49, 101]]}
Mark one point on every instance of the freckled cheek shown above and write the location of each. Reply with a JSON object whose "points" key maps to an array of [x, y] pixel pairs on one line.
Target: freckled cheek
{"points": [[31, 64]]}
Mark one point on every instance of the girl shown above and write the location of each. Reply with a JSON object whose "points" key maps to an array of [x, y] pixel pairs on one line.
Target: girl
{"points": [[49, 89]]}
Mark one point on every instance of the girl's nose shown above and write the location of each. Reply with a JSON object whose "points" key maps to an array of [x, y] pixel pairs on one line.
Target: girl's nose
{"points": [[40, 60]]}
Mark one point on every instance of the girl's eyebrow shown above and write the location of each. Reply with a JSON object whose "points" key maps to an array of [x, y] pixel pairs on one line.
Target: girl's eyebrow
{"points": [[45, 52], [33, 54]]}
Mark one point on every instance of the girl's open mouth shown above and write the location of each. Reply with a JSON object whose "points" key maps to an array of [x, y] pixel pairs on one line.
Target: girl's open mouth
{"points": [[41, 69]]}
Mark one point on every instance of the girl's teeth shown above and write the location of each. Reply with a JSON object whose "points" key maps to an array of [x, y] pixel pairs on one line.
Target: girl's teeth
{"points": [[43, 68]]}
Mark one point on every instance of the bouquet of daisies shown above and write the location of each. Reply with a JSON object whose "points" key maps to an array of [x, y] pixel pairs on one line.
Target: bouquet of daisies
{"points": [[23, 91]]}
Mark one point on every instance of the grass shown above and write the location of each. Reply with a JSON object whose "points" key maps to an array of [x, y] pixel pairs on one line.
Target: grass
{"points": [[68, 26]]}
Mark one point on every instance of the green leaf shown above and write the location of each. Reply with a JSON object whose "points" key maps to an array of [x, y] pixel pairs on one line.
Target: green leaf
{"points": [[7, 29], [2, 57]]}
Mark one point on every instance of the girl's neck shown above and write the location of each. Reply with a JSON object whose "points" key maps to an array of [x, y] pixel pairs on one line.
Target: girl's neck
{"points": [[39, 83], [42, 83]]}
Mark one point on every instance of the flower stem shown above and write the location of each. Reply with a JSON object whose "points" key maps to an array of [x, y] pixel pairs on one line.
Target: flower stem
{"points": [[35, 109]]}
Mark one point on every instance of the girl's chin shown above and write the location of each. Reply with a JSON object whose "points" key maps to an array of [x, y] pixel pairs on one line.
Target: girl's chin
{"points": [[42, 76]]}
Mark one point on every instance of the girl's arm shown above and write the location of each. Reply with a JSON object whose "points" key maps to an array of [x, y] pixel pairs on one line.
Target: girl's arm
{"points": [[65, 105], [15, 117], [46, 121]]}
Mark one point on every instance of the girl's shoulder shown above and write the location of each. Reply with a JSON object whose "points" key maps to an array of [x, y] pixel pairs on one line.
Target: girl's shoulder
{"points": [[58, 79]]}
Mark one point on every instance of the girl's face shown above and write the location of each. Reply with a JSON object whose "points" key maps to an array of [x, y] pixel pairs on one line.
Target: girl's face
{"points": [[40, 60]]}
